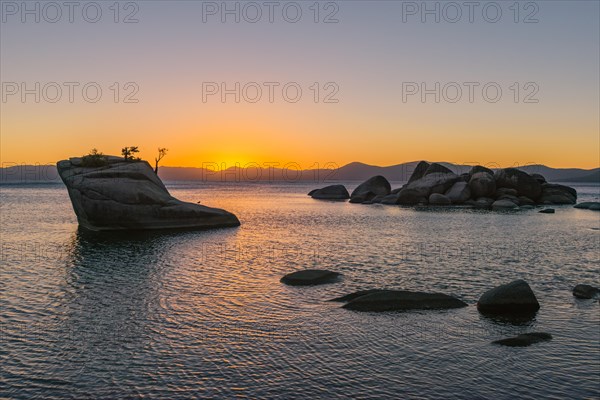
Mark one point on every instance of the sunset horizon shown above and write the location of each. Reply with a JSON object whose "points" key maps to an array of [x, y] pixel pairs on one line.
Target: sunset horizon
{"points": [[324, 199]]}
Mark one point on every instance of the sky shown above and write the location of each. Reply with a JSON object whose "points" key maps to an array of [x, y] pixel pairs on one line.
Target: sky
{"points": [[312, 83]]}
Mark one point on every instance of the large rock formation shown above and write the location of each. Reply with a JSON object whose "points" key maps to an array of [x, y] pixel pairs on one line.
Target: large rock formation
{"points": [[116, 194], [434, 184]]}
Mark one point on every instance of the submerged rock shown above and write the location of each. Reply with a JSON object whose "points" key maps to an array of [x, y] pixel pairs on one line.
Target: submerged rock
{"points": [[128, 195], [547, 211], [585, 291], [354, 295], [401, 300], [310, 277], [525, 339], [514, 297], [588, 205], [332, 192]]}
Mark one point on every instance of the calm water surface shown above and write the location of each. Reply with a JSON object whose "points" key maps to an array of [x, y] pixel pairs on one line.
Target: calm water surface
{"points": [[202, 314]]}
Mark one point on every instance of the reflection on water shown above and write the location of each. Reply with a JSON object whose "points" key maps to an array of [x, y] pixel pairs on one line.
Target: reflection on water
{"points": [[181, 314]]}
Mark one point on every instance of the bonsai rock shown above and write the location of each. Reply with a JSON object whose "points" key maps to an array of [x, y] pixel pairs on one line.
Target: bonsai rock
{"points": [[127, 195]]}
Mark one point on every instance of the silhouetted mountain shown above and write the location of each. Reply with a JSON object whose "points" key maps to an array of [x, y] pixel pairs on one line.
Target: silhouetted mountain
{"points": [[594, 177], [353, 171]]}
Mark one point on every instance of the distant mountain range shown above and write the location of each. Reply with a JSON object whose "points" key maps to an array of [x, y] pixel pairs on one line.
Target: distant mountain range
{"points": [[354, 171]]}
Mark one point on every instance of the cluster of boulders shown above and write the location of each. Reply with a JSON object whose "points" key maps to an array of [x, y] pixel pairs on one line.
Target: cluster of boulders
{"points": [[434, 184], [511, 300]]}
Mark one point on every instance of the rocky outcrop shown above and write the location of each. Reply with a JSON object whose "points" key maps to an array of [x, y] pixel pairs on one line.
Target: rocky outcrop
{"points": [[332, 192], [478, 168], [480, 203], [557, 194], [525, 201], [525, 339], [436, 199], [539, 178], [522, 182], [419, 171], [309, 277], [482, 184], [434, 184], [128, 195], [506, 192], [435, 168], [585, 291], [436, 179], [504, 204], [400, 300], [371, 188], [513, 298], [459, 192], [410, 197]]}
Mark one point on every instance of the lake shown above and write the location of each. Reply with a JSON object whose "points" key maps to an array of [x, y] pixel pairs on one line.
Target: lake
{"points": [[203, 314]]}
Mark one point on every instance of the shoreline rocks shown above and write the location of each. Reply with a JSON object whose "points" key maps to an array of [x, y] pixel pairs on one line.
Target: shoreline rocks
{"points": [[310, 277], [434, 184], [128, 195], [512, 298]]}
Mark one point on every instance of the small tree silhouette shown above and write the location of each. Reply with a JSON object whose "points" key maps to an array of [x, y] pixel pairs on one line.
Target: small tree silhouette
{"points": [[94, 159], [162, 152], [128, 153]]}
